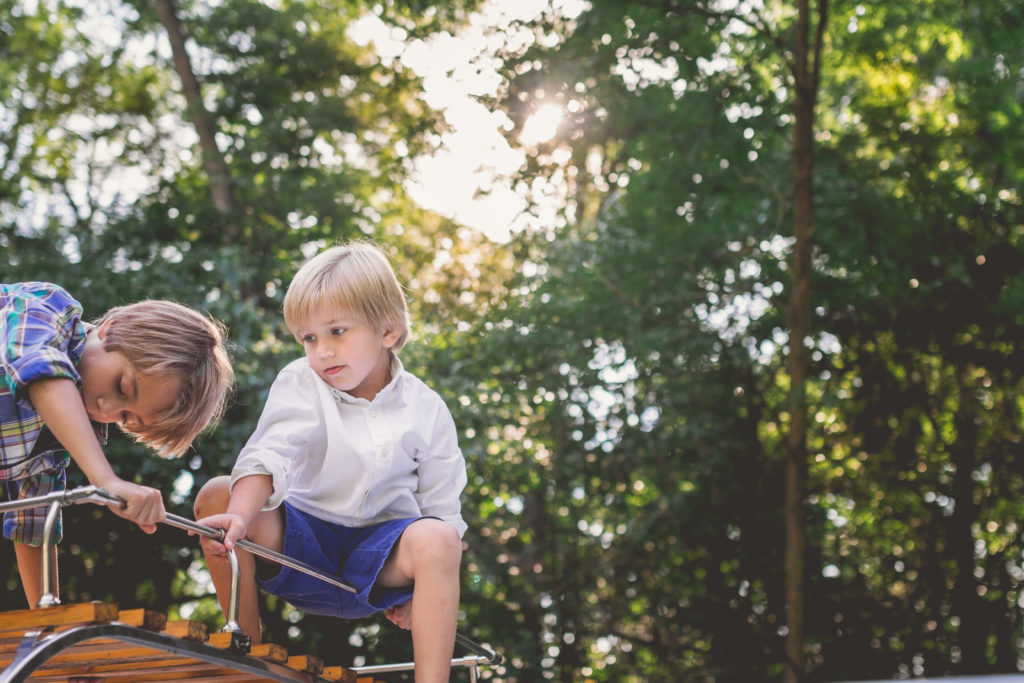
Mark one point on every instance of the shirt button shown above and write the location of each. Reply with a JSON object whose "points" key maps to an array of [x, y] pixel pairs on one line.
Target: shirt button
{"points": [[373, 412]]}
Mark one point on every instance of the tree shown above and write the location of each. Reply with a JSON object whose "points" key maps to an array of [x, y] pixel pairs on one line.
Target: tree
{"points": [[674, 251], [806, 81], [654, 292]]}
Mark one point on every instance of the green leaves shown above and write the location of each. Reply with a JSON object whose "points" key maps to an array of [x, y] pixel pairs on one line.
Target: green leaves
{"points": [[675, 157]]}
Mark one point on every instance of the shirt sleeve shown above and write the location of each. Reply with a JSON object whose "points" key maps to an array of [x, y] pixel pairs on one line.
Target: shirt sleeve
{"points": [[290, 427], [442, 473], [37, 326]]}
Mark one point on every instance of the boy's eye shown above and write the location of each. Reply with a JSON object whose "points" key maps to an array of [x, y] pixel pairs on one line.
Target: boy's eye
{"points": [[338, 331], [309, 339], [120, 385]]}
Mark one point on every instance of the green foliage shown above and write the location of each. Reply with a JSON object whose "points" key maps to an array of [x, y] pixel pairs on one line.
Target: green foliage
{"points": [[675, 147]]}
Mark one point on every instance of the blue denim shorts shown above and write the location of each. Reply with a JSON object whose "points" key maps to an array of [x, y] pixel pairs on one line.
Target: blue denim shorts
{"points": [[354, 555]]}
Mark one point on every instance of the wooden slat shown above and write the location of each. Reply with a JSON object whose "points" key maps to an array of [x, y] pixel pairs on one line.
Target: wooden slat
{"points": [[84, 654], [339, 673], [143, 618], [188, 630], [61, 615], [98, 668], [7, 650], [207, 676], [269, 652], [158, 670], [230, 641], [306, 663]]}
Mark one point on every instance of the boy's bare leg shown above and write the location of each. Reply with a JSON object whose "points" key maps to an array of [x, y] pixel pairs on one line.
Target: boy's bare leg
{"points": [[30, 566], [213, 499], [428, 554]]}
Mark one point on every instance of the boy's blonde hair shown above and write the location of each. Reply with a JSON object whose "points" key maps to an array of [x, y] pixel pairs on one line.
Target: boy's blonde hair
{"points": [[355, 277], [169, 340]]}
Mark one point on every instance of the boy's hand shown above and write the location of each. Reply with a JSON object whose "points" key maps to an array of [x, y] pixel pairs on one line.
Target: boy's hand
{"points": [[234, 528], [143, 505], [400, 615]]}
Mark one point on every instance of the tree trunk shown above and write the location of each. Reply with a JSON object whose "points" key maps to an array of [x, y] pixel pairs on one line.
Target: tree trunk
{"points": [[806, 85], [972, 633], [216, 169]]}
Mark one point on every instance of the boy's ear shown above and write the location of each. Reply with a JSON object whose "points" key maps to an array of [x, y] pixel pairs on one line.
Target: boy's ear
{"points": [[103, 328], [390, 338]]}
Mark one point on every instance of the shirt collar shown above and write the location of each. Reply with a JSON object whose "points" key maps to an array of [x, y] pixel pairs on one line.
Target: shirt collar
{"points": [[391, 389]]}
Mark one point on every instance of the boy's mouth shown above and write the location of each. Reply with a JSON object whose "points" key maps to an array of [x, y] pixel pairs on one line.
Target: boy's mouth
{"points": [[333, 370]]}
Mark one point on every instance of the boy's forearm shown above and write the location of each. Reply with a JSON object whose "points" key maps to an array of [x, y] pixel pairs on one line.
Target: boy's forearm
{"points": [[249, 494], [60, 405]]}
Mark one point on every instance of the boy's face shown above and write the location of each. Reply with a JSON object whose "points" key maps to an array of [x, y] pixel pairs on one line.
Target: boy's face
{"points": [[346, 352], [113, 391]]}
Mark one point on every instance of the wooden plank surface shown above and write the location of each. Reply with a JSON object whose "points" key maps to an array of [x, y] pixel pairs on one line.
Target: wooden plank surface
{"points": [[158, 670], [61, 615], [111, 660], [339, 673], [306, 663], [143, 618], [269, 652], [187, 629]]}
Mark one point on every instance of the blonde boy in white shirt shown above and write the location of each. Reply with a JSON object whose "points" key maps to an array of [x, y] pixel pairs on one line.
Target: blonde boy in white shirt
{"points": [[354, 468]]}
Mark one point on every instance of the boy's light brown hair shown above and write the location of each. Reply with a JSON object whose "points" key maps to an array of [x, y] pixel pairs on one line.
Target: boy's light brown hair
{"points": [[355, 277], [166, 339]]}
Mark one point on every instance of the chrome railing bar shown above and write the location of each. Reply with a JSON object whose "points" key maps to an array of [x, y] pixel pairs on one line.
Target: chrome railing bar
{"points": [[47, 597]]}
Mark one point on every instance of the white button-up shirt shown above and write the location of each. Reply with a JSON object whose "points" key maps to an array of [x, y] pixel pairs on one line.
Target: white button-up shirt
{"points": [[356, 462]]}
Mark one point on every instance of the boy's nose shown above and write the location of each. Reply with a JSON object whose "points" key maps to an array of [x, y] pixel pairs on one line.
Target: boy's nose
{"points": [[109, 410]]}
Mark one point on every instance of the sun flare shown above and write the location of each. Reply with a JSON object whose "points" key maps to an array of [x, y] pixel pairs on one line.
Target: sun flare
{"points": [[542, 125]]}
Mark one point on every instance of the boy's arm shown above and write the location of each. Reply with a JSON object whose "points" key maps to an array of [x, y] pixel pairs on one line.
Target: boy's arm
{"points": [[60, 406], [442, 474]]}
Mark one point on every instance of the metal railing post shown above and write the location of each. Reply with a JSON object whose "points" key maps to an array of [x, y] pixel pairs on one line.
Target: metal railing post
{"points": [[47, 598], [232, 616]]}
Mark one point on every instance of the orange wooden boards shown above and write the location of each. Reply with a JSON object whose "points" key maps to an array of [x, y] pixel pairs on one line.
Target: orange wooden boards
{"points": [[104, 659]]}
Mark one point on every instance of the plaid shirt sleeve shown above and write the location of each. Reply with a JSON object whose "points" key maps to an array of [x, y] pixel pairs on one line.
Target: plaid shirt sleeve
{"points": [[41, 330]]}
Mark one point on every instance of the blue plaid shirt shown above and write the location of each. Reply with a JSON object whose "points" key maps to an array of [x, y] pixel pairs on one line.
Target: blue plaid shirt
{"points": [[41, 336]]}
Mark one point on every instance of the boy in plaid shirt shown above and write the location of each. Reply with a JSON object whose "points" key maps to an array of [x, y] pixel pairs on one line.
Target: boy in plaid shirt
{"points": [[157, 369]]}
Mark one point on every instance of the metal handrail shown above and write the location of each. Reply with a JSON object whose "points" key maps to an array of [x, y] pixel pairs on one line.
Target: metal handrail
{"points": [[93, 494]]}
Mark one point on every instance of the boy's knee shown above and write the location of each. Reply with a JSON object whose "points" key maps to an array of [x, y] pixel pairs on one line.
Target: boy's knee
{"points": [[213, 497], [440, 541]]}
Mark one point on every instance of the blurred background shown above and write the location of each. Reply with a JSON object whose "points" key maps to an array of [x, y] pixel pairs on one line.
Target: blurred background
{"points": [[726, 297]]}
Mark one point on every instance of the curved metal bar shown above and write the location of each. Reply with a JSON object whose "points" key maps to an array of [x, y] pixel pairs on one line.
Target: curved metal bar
{"points": [[491, 657], [256, 549], [369, 670], [82, 494], [32, 655], [47, 597], [232, 625]]}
